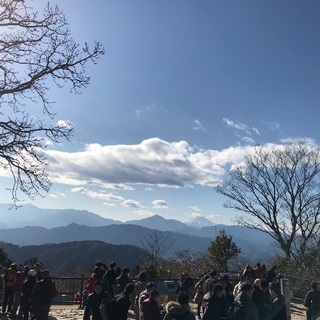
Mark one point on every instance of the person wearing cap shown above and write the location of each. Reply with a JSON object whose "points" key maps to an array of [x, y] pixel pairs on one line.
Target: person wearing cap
{"points": [[26, 291], [179, 310], [312, 302], [277, 309]]}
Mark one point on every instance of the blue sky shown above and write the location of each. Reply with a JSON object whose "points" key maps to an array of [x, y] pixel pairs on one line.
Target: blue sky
{"points": [[184, 90]]}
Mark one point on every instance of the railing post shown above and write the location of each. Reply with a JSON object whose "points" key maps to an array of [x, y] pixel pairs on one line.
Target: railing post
{"points": [[286, 291], [81, 291]]}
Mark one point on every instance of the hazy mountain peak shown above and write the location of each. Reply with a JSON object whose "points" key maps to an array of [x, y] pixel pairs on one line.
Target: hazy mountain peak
{"points": [[199, 222]]}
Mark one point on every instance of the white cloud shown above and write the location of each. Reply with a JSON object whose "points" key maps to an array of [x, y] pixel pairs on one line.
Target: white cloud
{"points": [[248, 140], [109, 204], [132, 204], [159, 204], [198, 125], [256, 131], [144, 213], [152, 163], [98, 195], [235, 124], [274, 125], [195, 208], [243, 131]]}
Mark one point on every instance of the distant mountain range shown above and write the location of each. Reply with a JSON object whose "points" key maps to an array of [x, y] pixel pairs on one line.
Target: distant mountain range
{"points": [[30, 225], [76, 258]]}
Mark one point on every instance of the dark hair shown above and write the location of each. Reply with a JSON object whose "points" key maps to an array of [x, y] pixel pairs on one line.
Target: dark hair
{"points": [[142, 276], [264, 283], [112, 265], [98, 283], [246, 287], [217, 287], [151, 285], [125, 270], [275, 287], [213, 274], [183, 298], [154, 294], [129, 288]]}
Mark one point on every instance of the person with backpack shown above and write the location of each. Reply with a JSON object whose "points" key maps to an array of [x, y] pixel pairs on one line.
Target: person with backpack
{"points": [[26, 291], [42, 295], [9, 279], [278, 310], [118, 307], [122, 280], [312, 302], [180, 310], [150, 308], [214, 304], [21, 276], [94, 302], [145, 294], [109, 279], [243, 307], [261, 298]]}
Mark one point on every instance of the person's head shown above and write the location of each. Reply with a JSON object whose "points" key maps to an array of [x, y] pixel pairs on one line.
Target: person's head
{"points": [[32, 273], [45, 274], [258, 264], [314, 285], [274, 289], [125, 270], [26, 269], [246, 288], [264, 285], [98, 286], [223, 282], [218, 290], [129, 288], [213, 274], [142, 276], [37, 266], [118, 270], [99, 263], [155, 294], [183, 298], [113, 265], [256, 282], [14, 266], [151, 286]]}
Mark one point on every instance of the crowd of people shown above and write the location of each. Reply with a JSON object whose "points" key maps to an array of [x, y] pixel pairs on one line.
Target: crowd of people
{"points": [[110, 293], [28, 292]]}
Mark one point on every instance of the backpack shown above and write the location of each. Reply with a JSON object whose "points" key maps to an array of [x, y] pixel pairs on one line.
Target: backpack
{"points": [[236, 311], [109, 307]]}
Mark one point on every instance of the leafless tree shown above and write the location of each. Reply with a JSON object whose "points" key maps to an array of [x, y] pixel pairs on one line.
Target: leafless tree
{"points": [[156, 244], [36, 52], [280, 188]]}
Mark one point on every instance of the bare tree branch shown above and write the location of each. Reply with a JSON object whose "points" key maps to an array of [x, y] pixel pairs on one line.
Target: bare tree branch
{"points": [[36, 50]]}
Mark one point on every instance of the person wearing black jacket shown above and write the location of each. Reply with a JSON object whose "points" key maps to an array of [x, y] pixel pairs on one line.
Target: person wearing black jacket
{"points": [[277, 309], [94, 301]]}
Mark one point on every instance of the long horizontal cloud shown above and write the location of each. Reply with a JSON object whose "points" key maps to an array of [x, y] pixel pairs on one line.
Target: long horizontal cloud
{"points": [[152, 162]]}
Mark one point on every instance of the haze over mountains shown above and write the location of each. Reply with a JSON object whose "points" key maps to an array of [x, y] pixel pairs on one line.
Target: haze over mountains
{"points": [[30, 225]]}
